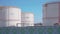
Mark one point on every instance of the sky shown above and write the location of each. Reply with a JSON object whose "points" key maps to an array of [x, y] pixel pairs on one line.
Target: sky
{"points": [[34, 6]]}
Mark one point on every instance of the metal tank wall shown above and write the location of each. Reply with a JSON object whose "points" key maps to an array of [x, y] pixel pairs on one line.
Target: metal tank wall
{"points": [[27, 19], [51, 13], [9, 16]]}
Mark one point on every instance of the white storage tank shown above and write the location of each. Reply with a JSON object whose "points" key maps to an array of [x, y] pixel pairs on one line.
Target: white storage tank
{"points": [[9, 16], [51, 13], [27, 19]]}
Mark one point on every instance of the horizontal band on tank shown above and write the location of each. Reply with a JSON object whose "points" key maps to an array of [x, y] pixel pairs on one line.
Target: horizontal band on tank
{"points": [[8, 7], [10, 20], [27, 13], [50, 17]]}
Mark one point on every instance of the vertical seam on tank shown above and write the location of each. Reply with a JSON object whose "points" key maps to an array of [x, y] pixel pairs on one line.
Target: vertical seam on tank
{"points": [[43, 13], [59, 12], [45, 18], [18, 19], [18, 15], [8, 16], [46, 12]]}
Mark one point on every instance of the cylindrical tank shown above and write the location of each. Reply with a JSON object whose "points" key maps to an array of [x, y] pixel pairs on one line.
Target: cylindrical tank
{"points": [[51, 13], [27, 19], [9, 16]]}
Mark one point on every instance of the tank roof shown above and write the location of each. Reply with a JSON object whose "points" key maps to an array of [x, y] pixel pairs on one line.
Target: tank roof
{"points": [[27, 12], [8, 7], [52, 2]]}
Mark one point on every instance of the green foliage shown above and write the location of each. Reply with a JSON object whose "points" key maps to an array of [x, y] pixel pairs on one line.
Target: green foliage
{"points": [[31, 30], [50, 30], [40, 31], [7, 31], [58, 29], [22, 31]]}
